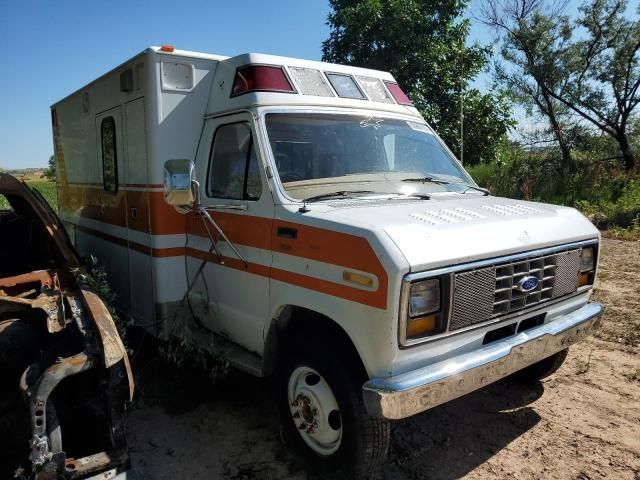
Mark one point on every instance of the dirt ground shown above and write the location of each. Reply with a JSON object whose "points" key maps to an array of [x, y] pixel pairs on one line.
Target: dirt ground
{"points": [[582, 423]]}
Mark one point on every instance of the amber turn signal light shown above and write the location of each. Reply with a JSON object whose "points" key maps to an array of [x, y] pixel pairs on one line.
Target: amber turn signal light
{"points": [[583, 279], [421, 325]]}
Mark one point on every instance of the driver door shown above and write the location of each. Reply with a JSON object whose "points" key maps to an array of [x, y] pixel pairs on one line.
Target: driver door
{"points": [[230, 295]]}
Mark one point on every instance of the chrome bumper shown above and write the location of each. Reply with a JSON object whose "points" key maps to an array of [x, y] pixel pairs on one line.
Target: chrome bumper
{"points": [[413, 392]]}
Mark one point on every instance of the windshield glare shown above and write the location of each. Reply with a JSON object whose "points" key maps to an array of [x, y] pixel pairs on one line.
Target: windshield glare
{"points": [[317, 154]]}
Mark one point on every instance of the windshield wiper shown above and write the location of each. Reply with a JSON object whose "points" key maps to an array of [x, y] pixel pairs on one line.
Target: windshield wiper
{"points": [[467, 187], [427, 180], [338, 194], [419, 196], [479, 189]]}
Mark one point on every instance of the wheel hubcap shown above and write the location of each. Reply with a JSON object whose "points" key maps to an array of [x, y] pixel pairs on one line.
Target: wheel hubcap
{"points": [[314, 410]]}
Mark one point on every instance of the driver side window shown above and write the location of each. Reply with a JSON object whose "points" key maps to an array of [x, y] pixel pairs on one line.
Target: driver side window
{"points": [[234, 171]]}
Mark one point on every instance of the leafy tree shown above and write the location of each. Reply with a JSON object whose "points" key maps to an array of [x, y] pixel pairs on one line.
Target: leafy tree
{"points": [[605, 71], [50, 172], [422, 43], [594, 75], [533, 37]]}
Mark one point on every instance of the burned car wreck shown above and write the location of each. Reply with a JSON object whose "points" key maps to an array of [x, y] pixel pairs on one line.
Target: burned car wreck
{"points": [[65, 377]]}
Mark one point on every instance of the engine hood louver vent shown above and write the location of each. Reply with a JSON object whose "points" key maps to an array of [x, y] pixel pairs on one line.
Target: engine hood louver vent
{"points": [[511, 209], [460, 215], [447, 215]]}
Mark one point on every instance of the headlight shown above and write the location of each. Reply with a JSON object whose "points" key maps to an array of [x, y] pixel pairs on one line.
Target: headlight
{"points": [[587, 267], [424, 309], [424, 297], [586, 260]]}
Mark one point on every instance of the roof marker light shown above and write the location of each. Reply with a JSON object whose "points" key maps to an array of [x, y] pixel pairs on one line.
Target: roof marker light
{"points": [[167, 48], [261, 78], [397, 93]]}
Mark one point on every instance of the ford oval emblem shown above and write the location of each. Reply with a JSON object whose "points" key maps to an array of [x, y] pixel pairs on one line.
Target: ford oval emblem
{"points": [[528, 283]]}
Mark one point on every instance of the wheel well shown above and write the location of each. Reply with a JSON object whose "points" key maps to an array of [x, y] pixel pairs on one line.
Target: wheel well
{"points": [[298, 327]]}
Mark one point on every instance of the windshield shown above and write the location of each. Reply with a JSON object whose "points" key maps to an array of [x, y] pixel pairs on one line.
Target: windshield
{"points": [[319, 154]]}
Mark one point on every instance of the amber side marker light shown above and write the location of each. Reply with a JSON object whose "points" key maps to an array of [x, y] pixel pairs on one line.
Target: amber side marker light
{"points": [[357, 278], [167, 48], [421, 325]]}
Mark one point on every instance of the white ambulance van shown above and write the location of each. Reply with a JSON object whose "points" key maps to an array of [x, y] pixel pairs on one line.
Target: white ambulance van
{"points": [[318, 229]]}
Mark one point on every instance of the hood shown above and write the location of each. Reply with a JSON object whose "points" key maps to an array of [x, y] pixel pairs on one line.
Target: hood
{"points": [[456, 229]]}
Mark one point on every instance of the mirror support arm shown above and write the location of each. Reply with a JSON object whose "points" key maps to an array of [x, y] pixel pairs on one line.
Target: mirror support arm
{"points": [[206, 217], [202, 211], [187, 199]]}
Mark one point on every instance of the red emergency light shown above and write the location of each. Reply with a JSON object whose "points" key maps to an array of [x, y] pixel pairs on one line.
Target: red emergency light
{"points": [[261, 78], [397, 93]]}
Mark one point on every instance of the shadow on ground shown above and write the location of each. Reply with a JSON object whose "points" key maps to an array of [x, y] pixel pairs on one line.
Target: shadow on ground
{"points": [[183, 425], [451, 440]]}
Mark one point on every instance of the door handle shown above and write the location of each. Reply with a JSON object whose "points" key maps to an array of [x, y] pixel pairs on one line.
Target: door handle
{"points": [[134, 212], [287, 232]]}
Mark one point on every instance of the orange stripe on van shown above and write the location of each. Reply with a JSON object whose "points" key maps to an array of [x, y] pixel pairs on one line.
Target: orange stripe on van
{"points": [[374, 299], [230, 262], [377, 299], [155, 216], [126, 209], [165, 220], [322, 245], [241, 229]]}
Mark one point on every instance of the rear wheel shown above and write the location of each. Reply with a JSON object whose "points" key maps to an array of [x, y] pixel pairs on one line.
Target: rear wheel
{"points": [[324, 417], [543, 368]]}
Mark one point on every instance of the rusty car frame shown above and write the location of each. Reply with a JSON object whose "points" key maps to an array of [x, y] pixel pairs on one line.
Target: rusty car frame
{"points": [[65, 378]]}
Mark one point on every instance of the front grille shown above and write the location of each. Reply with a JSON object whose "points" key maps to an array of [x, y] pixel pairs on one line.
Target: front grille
{"points": [[472, 297], [485, 293]]}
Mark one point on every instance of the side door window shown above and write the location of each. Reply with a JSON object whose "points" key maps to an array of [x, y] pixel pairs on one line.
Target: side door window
{"points": [[109, 155], [233, 166]]}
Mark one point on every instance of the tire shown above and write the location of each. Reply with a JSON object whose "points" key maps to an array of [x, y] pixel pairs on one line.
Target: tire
{"points": [[543, 368], [346, 442]]}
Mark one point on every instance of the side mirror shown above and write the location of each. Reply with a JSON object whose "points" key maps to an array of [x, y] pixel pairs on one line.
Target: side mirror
{"points": [[178, 182]]}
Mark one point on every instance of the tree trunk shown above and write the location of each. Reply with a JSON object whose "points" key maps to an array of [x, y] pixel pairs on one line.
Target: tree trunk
{"points": [[568, 165], [567, 161], [628, 155]]}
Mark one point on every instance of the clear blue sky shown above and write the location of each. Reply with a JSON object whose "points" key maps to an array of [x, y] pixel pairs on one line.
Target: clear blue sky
{"points": [[53, 47]]}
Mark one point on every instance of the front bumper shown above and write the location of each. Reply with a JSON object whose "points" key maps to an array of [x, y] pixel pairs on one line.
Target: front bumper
{"points": [[413, 392]]}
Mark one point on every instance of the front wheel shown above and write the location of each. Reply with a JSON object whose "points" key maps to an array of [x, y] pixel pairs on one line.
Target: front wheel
{"points": [[324, 418]]}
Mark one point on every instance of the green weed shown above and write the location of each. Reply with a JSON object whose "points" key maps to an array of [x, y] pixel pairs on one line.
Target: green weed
{"points": [[46, 188]]}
